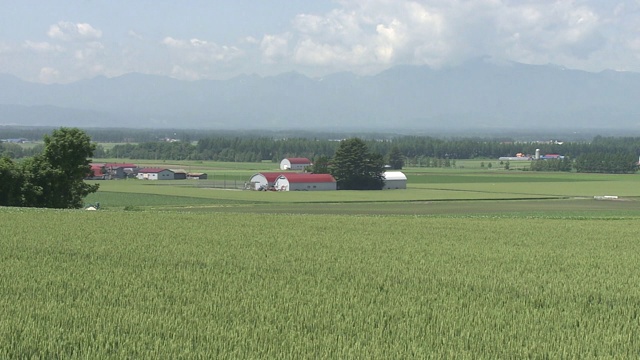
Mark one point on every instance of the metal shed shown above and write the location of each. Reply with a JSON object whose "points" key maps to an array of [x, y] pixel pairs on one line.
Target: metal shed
{"points": [[394, 180]]}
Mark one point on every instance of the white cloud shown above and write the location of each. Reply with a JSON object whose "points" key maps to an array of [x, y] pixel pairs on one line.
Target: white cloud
{"points": [[49, 75], [42, 47], [364, 36], [68, 31], [370, 35], [195, 59], [90, 51], [135, 35], [197, 51], [275, 47]]}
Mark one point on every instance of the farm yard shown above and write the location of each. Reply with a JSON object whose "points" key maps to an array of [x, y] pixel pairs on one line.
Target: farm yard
{"points": [[464, 263]]}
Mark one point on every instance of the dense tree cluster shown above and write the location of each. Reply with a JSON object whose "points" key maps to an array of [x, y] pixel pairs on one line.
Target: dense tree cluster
{"points": [[53, 178], [609, 163], [356, 168], [564, 164]]}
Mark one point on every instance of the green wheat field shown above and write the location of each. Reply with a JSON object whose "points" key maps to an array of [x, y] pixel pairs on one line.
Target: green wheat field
{"points": [[462, 264]]}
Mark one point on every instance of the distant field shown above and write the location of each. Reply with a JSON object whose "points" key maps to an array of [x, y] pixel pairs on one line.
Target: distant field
{"points": [[472, 189]]}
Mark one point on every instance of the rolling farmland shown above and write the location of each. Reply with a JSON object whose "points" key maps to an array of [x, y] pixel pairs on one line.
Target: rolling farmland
{"points": [[463, 264]]}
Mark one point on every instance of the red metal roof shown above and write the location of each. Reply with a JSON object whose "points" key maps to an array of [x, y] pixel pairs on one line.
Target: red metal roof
{"points": [[299, 161], [117, 165], [270, 176], [96, 170], [152, 170], [308, 178]]}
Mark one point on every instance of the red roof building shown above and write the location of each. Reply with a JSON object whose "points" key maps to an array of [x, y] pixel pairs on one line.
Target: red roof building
{"points": [[294, 163], [305, 182]]}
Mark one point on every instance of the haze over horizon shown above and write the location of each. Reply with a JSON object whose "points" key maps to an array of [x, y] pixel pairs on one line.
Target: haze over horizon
{"points": [[62, 41]]}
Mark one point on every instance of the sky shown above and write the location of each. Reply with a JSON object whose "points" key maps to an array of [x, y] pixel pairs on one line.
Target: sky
{"points": [[61, 41]]}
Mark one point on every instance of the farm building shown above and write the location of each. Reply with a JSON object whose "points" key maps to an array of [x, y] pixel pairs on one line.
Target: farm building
{"points": [[155, 174], [96, 172], [294, 163], [304, 182], [119, 170], [197, 176], [394, 180], [263, 180], [179, 174]]}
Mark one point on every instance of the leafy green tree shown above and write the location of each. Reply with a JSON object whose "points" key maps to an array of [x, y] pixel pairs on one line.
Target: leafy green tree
{"points": [[355, 168], [54, 178], [395, 158]]}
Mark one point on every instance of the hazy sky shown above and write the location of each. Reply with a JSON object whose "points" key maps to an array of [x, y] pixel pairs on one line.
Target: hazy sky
{"points": [[67, 40]]}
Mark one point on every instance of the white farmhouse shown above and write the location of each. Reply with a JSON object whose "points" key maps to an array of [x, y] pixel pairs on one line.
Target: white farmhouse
{"points": [[155, 174], [294, 163], [305, 182], [394, 180]]}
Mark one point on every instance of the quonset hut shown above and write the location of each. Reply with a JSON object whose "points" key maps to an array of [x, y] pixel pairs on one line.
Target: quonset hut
{"points": [[394, 180], [294, 163], [305, 182], [263, 180]]}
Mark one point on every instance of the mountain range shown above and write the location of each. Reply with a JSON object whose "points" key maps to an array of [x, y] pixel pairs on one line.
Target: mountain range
{"points": [[477, 94]]}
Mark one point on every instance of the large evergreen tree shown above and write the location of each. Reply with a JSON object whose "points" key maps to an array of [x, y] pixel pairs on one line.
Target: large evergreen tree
{"points": [[396, 159], [355, 168]]}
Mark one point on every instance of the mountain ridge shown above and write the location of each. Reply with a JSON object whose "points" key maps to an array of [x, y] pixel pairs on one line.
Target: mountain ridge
{"points": [[477, 93]]}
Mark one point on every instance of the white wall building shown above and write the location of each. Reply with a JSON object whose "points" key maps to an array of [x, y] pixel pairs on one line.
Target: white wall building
{"points": [[394, 180], [294, 163], [155, 174], [263, 180], [305, 182]]}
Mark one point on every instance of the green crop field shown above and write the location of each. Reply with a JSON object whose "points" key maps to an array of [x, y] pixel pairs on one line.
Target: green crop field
{"points": [[115, 284], [465, 263]]}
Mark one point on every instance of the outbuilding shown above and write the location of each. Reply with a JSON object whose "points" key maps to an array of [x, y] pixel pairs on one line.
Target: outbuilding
{"points": [[305, 182], [394, 180], [263, 180], [155, 174], [119, 170], [179, 174], [196, 176], [294, 163], [96, 172]]}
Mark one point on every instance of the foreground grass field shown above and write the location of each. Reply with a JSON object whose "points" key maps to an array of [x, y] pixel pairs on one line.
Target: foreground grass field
{"points": [[116, 284], [462, 264]]}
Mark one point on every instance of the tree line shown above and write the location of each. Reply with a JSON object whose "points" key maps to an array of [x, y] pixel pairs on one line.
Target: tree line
{"points": [[423, 151]]}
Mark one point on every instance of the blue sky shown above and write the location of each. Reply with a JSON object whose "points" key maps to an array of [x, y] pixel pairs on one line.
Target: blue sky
{"points": [[68, 40]]}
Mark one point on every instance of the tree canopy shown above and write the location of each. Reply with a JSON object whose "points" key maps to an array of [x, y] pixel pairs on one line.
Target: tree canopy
{"points": [[355, 168], [52, 179], [395, 158]]}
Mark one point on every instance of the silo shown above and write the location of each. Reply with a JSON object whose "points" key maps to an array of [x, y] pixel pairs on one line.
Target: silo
{"points": [[537, 154]]}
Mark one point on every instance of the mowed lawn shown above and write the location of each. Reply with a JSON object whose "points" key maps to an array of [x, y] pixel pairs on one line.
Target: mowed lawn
{"points": [[166, 284]]}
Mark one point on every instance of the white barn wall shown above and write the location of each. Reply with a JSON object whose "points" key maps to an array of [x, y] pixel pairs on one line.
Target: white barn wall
{"points": [[286, 164], [394, 180]]}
